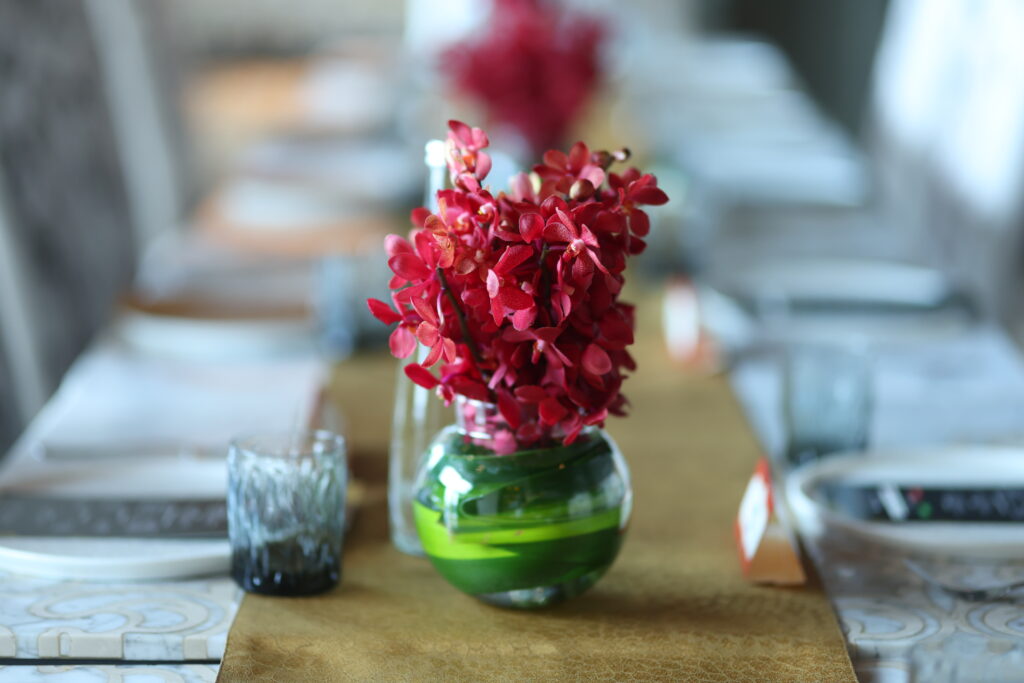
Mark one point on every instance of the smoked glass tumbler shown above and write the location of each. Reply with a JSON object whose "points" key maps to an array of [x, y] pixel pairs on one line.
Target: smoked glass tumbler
{"points": [[286, 511]]}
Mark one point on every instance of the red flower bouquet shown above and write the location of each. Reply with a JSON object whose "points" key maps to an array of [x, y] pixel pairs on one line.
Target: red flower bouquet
{"points": [[533, 69], [517, 294]]}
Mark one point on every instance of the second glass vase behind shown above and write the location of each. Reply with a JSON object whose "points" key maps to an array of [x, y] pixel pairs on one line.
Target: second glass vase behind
{"points": [[418, 417], [418, 414]]}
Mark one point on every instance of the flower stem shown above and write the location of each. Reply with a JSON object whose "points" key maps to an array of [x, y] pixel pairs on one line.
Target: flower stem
{"points": [[545, 284], [477, 359]]}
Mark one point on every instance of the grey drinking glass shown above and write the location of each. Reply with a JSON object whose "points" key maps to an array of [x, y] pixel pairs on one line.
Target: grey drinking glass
{"points": [[827, 401], [286, 511]]}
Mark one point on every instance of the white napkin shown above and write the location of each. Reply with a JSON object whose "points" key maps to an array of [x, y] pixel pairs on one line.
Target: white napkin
{"points": [[114, 402]]}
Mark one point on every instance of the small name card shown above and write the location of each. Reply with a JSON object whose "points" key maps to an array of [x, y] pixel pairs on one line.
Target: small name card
{"points": [[767, 548]]}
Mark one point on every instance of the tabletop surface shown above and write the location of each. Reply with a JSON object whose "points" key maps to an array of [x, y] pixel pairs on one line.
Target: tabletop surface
{"points": [[674, 606]]}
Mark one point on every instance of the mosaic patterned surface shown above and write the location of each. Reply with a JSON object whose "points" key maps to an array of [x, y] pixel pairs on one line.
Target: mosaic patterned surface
{"points": [[895, 620], [146, 621], [125, 673]]}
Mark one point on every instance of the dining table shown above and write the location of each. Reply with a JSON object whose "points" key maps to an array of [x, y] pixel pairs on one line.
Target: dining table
{"points": [[674, 606]]}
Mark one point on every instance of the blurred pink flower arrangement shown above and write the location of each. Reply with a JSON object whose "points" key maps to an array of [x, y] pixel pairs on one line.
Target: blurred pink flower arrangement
{"points": [[532, 68]]}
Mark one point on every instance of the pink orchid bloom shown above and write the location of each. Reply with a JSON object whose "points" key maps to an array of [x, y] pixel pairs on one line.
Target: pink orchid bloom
{"points": [[515, 297]]}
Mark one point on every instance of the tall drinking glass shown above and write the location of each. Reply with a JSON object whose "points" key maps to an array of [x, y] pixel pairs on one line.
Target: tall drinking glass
{"points": [[827, 398]]}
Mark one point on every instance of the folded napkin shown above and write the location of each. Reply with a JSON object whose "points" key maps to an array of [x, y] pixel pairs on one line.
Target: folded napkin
{"points": [[117, 403]]}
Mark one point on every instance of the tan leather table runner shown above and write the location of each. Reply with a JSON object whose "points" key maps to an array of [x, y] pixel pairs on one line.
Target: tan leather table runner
{"points": [[673, 606]]}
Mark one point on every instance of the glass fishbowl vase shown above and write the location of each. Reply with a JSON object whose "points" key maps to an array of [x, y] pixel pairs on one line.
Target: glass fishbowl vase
{"points": [[524, 529]]}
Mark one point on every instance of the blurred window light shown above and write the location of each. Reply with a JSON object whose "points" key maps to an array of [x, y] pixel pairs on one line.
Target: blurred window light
{"points": [[918, 50], [950, 86], [431, 25], [982, 149]]}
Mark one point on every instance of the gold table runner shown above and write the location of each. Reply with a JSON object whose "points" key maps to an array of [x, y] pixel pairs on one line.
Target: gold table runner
{"points": [[674, 606]]}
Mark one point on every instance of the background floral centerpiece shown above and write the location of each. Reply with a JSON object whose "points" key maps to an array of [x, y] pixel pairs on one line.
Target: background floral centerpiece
{"points": [[532, 69], [516, 294]]}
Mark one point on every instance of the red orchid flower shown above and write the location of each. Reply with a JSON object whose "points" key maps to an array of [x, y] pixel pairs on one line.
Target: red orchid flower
{"points": [[429, 334], [582, 246], [501, 290], [635, 189], [574, 173], [543, 339], [467, 164], [503, 295]]}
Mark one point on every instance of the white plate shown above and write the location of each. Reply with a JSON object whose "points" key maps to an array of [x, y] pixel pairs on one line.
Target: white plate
{"points": [[161, 477], [941, 467], [116, 559]]}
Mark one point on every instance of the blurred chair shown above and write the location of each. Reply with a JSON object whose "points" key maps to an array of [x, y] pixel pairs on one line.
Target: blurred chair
{"points": [[68, 234], [20, 364], [138, 73]]}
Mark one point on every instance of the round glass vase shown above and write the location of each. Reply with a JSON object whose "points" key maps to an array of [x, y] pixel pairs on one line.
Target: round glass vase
{"points": [[526, 529]]}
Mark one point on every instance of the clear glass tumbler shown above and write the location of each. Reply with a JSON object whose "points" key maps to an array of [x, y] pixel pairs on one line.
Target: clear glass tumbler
{"points": [[286, 511], [827, 401]]}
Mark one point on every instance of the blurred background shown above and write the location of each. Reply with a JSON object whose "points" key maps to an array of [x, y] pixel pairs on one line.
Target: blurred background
{"points": [[212, 180]]}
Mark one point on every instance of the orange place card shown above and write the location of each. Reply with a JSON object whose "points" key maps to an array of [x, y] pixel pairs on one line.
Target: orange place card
{"points": [[767, 548]]}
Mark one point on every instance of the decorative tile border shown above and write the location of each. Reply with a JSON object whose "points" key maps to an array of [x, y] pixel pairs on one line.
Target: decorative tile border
{"points": [[144, 621], [108, 673]]}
